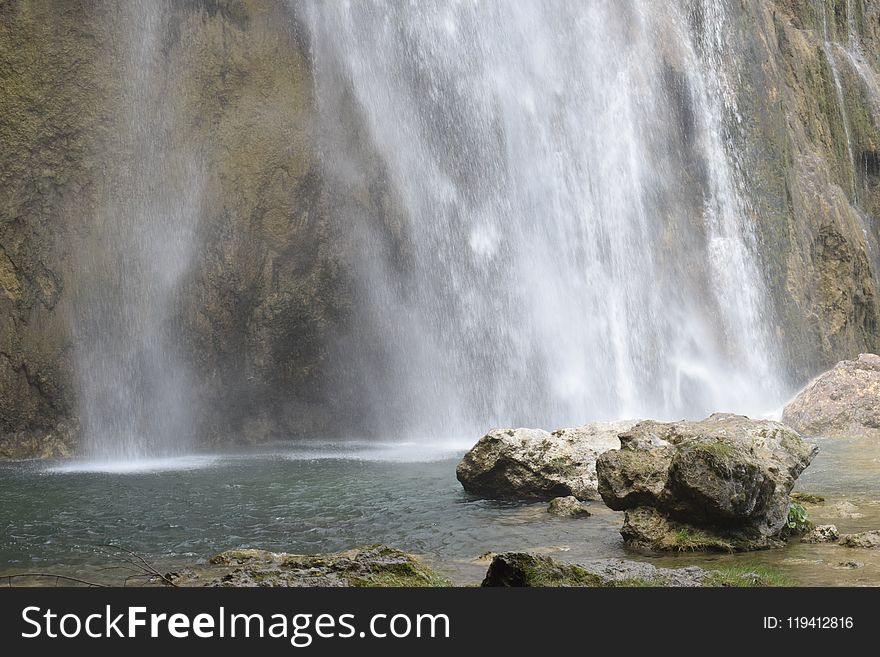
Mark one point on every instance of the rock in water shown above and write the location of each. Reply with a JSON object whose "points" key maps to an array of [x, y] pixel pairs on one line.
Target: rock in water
{"points": [[822, 534], [530, 570], [536, 464], [844, 401], [567, 507], [869, 539], [522, 569], [722, 483], [364, 566]]}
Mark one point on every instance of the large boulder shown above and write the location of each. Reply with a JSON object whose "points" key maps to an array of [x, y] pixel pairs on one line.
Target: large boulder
{"points": [[844, 401], [536, 464], [722, 483]]}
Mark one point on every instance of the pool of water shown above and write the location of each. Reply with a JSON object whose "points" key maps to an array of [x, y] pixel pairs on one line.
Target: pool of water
{"points": [[55, 516]]}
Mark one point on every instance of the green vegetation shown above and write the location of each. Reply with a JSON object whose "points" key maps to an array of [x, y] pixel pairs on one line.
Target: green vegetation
{"points": [[637, 583], [560, 575], [686, 539], [400, 570], [418, 578], [746, 576], [717, 449], [798, 520], [807, 498]]}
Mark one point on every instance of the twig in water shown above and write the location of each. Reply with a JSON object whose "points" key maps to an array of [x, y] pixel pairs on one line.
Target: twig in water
{"points": [[141, 565]]}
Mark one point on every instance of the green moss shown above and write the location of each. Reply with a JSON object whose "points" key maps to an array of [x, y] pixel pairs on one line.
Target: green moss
{"points": [[520, 569], [717, 448], [686, 539], [564, 466], [807, 498], [746, 577], [393, 580], [637, 583], [239, 556]]}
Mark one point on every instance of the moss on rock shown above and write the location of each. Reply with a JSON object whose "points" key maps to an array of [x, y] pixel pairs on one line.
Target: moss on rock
{"points": [[364, 566]]}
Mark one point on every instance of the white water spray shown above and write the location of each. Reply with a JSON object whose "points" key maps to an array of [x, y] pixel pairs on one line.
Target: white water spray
{"points": [[575, 243], [133, 387]]}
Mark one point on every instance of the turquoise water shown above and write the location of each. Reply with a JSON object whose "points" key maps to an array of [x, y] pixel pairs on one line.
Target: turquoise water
{"points": [[54, 516]]}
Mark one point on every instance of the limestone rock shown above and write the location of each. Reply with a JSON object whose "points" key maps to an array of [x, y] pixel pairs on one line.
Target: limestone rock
{"points": [[568, 507], [846, 509], [869, 539], [720, 483], [647, 528], [364, 566], [822, 534], [536, 464], [520, 569], [844, 401], [57, 443]]}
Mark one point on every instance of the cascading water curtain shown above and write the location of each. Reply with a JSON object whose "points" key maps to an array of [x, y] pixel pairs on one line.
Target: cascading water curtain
{"points": [[132, 384], [580, 245]]}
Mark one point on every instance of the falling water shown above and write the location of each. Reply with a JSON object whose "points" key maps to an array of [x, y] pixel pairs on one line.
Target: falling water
{"points": [[574, 243], [828, 49], [855, 55], [132, 386]]}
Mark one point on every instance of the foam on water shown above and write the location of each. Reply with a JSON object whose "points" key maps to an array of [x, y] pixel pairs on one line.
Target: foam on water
{"points": [[353, 450], [135, 466]]}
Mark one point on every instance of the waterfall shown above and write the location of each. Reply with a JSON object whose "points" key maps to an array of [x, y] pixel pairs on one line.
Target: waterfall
{"points": [[828, 50], [855, 56], [131, 382], [568, 238]]}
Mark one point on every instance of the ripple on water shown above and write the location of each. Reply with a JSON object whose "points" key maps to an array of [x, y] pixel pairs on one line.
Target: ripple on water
{"points": [[179, 511]]}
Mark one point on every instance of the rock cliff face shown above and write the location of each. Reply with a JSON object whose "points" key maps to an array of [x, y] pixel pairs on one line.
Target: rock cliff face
{"points": [[809, 102], [269, 292], [265, 286]]}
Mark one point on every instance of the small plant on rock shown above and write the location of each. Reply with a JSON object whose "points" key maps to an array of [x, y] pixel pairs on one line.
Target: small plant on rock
{"points": [[798, 520]]}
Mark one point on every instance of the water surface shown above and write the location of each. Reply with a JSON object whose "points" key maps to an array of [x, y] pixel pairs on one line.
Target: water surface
{"points": [[322, 498]]}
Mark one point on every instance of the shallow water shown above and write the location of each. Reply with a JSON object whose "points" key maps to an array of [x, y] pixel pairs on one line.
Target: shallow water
{"points": [[321, 498]]}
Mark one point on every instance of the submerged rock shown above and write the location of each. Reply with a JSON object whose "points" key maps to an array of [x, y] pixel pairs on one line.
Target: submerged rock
{"points": [[845, 509], [842, 402], [810, 499], [568, 507], [536, 464], [722, 483], [821, 534], [518, 569], [364, 566], [869, 539]]}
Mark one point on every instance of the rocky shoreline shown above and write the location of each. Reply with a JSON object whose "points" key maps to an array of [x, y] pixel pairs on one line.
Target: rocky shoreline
{"points": [[370, 566]]}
